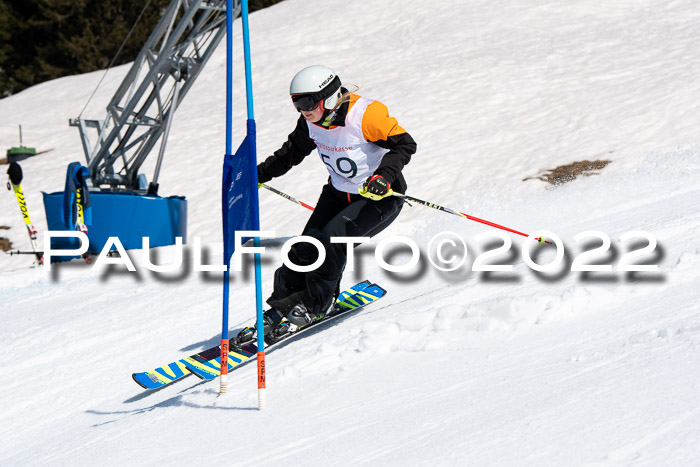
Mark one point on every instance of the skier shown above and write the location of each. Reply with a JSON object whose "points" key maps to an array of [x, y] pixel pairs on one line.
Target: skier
{"points": [[364, 150]]}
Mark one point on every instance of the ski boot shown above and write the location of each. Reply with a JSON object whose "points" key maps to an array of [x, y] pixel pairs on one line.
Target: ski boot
{"points": [[272, 320], [281, 330], [300, 316]]}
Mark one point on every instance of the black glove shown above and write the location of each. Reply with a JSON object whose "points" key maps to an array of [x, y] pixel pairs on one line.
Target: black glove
{"points": [[377, 185]]}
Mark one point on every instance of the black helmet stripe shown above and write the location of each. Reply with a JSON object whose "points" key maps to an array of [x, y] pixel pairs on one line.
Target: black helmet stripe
{"points": [[326, 92]]}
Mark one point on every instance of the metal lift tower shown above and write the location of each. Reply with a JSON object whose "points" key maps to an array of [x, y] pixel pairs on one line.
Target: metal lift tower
{"points": [[143, 107], [124, 204]]}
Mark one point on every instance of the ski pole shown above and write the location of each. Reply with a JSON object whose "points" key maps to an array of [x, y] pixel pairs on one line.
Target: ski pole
{"points": [[15, 178], [285, 195], [424, 203], [110, 253], [461, 214], [20, 252]]}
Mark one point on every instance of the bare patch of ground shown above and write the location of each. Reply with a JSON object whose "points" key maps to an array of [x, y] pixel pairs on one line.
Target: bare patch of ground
{"points": [[566, 173], [5, 244]]}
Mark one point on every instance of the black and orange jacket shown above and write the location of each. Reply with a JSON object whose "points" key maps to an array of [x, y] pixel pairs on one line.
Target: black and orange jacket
{"points": [[377, 127]]}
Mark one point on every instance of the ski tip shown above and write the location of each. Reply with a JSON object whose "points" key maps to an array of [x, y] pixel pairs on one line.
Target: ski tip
{"points": [[375, 290], [133, 376], [368, 286], [145, 382]]}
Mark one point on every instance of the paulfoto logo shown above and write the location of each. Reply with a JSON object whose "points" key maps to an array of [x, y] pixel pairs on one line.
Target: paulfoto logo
{"points": [[446, 252]]}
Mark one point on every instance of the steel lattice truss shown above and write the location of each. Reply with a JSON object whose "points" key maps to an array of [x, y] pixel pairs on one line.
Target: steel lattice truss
{"points": [[141, 109]]}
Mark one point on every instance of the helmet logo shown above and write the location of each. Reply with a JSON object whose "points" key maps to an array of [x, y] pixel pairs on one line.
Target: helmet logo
{"points": [[328, 80]]}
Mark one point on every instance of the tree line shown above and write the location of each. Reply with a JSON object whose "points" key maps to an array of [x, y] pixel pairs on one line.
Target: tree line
{"points": [[41, 40]]}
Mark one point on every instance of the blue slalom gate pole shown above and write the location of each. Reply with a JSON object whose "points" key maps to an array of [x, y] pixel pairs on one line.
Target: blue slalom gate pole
{"points": [[223, 383], [240, 198], [262, 400]]}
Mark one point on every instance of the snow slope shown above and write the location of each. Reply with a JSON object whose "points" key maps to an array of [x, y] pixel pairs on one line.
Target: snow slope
{"points": [[465, 367]]}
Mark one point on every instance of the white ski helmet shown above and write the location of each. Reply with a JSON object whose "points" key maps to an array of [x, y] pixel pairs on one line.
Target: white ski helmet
{"points": [[314, 84]]}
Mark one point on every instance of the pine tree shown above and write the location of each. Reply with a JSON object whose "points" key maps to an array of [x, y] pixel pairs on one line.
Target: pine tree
{"points": [[42, 40]]}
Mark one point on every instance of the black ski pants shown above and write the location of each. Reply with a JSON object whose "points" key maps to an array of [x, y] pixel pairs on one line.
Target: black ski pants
{"points": [[337, 214]]}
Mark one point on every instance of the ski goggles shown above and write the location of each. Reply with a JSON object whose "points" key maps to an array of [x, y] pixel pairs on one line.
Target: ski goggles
{"points": [[305, 102]]}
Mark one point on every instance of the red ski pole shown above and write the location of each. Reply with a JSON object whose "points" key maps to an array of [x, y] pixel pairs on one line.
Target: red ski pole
{"points": [[285, 195], [461, 214], [424, 203]]}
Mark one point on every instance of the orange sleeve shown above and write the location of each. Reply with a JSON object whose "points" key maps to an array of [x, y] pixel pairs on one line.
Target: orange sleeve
{"points": [[377, 125]]}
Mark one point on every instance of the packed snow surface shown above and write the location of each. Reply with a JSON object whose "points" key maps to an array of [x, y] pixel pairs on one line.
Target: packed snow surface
{"points": [[465, 367]]}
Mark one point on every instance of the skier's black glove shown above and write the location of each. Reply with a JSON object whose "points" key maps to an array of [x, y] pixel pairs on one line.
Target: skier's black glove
{"points": [[376, 187]]}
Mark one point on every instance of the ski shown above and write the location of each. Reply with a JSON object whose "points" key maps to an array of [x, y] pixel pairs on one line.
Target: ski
{"points": [[200, 361], [166, 374], [15, 174], [349, 300]]}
